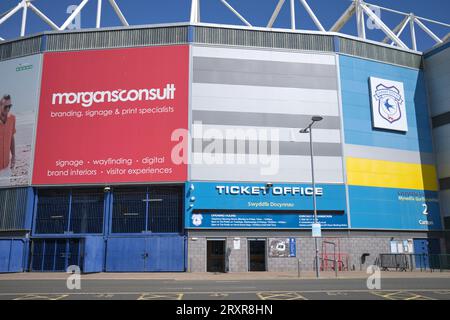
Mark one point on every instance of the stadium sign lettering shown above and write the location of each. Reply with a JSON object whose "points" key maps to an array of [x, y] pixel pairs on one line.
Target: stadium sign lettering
{"points": [[87, 99], [276, 191]]}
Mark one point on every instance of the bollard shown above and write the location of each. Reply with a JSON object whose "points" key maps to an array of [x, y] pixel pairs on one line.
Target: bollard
{"points": [[336, 267], [299, 267]]}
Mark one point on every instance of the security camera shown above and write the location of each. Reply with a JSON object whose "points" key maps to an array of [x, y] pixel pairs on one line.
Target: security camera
{"points": [[107, 189], [269, 185]]}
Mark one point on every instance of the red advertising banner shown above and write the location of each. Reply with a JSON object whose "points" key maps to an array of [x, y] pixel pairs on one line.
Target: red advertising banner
{"points": [[110, 116]]}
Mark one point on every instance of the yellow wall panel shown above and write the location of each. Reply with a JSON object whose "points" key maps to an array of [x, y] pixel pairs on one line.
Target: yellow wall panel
{"points": [[388, 174]]}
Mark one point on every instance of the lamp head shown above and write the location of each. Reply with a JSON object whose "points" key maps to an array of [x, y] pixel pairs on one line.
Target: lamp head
{"points": [[317, 118]]}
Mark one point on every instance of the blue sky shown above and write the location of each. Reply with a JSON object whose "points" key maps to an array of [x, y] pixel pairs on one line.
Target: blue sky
{"points": [[257, 12]]}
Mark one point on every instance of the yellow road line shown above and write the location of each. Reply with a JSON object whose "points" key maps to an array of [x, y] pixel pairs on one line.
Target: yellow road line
{"points": [[280, 296], [153, 296], [42, 297]]}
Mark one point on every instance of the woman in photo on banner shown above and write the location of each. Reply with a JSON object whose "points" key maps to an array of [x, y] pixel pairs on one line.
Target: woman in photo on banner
{"points": [[7, 141]]}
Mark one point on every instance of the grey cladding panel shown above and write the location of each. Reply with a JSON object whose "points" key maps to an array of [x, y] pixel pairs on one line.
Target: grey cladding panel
{"points": [[264, 67], [262, 119], [265, 73], [284, 148]]}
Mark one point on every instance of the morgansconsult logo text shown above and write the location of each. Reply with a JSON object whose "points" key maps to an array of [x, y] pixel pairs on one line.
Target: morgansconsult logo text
{"points": [[87, 99]]}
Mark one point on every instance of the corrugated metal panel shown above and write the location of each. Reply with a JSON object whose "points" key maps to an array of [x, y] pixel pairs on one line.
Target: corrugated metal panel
{"points": [[13, 204], [265, 39], [380, 53], [20, 48], [116, 38]]}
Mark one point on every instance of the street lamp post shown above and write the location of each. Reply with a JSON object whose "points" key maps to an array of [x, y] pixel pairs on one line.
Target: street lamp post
{"points": [[308, 129]]}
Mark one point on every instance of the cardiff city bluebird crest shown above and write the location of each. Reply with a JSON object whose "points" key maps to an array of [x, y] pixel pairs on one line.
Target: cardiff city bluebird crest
{"points": [[197, 220], [389, 102]]}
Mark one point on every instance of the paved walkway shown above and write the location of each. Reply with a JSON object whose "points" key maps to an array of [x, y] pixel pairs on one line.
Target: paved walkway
{"points": [[222, 276]]}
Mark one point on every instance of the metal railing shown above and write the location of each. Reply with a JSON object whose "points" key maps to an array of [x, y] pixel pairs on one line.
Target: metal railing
{"points": [[411, 262]]}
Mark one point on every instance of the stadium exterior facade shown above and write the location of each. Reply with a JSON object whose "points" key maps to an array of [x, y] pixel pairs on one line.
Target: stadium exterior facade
{"points": [[177, 148]]}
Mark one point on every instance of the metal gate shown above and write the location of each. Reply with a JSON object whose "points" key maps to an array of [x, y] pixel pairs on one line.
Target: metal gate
{"points": [[146, 254], [55, 254]]}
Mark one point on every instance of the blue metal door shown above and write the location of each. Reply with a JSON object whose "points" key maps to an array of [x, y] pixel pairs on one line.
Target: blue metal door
{"points": [[12, 255], [126, 254], [94, 254], [166, 254], [146, 254], [424, 249]]}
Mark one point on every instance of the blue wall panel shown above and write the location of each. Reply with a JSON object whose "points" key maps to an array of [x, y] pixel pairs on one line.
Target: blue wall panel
{"points": [[356, 102], [386, 208]]}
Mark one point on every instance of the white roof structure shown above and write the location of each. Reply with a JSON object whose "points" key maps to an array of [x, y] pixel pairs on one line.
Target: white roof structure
{"points": [[358, 8]]}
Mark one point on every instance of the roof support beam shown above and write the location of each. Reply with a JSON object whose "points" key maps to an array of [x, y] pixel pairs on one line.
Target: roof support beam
{"points": [[412, 28], [195, 17], [73, 15], [41, 15], [293, 15], [24, 18], [346, 16], [236, 13], [11, 13], [446, 38], [119, 13], [98, 20], [275, 13], [428, 31], [360, 23], [383, 26], [312, 15], [398, 30]]}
